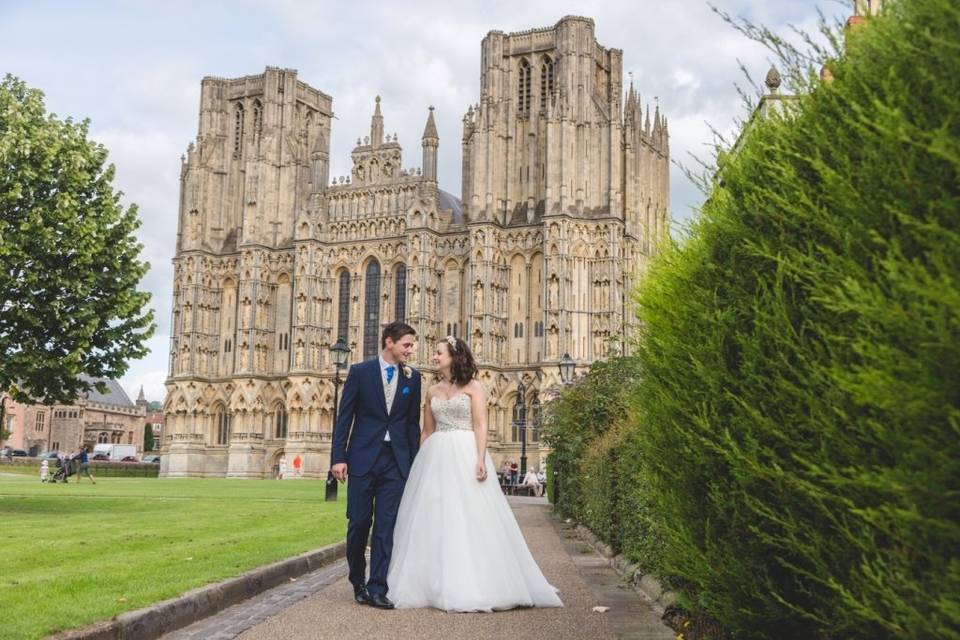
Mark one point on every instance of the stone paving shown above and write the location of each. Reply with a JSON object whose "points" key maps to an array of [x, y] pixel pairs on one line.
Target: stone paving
{"points": [[320, 604]]}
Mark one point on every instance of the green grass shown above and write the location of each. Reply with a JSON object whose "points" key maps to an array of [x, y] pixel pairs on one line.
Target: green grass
{"points": [[75, 554]]}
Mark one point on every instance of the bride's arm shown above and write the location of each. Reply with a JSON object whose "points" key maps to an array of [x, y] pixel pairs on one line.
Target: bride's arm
{"points": [[478, 408], [428, 424]]}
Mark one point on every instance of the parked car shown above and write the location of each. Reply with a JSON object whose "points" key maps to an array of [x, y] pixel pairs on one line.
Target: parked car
{"points": [[49, 455], [129, 459], [17, 453], [152, 459]]}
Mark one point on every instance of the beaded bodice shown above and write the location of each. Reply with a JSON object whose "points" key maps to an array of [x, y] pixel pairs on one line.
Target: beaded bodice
{"points": [[452, 414]]}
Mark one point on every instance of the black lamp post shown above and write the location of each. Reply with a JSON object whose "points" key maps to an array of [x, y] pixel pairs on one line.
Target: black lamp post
{"points": [[340, 351], [566, 368], [520, 420]]}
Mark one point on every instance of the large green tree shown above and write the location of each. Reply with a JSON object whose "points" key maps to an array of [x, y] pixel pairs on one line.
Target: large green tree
{"points": [[69, 260]]}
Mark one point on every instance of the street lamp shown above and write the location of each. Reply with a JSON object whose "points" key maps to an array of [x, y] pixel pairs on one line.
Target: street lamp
{"points": [[566, 368], [520, 421], [340, 351]]}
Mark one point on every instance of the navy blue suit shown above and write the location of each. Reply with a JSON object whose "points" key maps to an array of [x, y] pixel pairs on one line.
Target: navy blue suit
{"points": [[377, 470]]}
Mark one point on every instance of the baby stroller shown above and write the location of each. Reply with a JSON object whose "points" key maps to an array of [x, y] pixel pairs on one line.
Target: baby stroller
{"points": [[65, 469]]}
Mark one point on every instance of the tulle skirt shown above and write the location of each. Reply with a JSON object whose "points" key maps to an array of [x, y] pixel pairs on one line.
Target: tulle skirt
{"points": [[456, 544]]}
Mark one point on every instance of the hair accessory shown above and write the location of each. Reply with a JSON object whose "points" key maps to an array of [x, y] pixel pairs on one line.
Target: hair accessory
{"points": [[452, 342]]}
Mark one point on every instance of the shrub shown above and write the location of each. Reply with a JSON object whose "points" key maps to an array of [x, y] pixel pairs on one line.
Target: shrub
{"points": [[800, 357]]}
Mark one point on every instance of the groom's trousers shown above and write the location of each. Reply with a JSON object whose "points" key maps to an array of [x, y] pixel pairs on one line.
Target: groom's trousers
{"points": [[373, 498]]}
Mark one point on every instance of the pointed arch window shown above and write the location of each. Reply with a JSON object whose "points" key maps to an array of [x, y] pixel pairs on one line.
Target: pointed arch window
{"points": [[371, 311], [257, 119], [222, 425], [280, 423], [238, 130], [343, 316], [523, 88], [400, 293], [546, 80]]}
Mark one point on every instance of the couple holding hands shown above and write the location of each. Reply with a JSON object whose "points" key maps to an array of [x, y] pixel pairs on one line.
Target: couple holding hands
{"points": [[443, 533]]}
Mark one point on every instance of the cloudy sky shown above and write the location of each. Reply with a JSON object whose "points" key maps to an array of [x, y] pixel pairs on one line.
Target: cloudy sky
{"points": [[134, 69]]}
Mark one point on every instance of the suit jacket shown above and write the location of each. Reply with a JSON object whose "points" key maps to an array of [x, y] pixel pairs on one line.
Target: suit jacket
{"points": [[363, 421]]}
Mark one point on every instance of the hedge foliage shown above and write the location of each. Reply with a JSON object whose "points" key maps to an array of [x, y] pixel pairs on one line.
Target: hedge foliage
{"points": [[794, 442]]}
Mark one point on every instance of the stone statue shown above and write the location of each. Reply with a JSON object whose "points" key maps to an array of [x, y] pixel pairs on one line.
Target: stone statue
{"points": [[301, 309], [552, 342], [187, 317], [478, 298]]}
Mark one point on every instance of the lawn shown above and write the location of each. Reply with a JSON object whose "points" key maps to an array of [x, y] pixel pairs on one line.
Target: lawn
{"points": [[75, 554]]}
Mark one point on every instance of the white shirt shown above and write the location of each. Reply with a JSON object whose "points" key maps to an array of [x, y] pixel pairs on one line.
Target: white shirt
{"points": [[389, 388]]}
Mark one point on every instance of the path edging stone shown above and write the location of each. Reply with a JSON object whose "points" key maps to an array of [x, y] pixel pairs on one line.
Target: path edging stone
{"points": [[163, 617], [645, 583]]}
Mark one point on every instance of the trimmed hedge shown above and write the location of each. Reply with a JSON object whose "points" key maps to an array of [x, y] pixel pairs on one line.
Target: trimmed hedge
{"points": [[583, 412], [31, 466], [800, 408]]}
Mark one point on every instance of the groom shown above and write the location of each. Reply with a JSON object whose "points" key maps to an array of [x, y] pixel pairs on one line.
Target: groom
{"points": [[375, 440]]}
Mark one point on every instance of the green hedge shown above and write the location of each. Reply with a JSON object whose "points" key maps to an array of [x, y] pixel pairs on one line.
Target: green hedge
{"points": [[800, 408], [31, 466], [583, 412]]}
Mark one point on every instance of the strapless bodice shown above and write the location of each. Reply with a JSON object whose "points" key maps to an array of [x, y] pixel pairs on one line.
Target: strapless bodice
{"points": [[452, 414]]}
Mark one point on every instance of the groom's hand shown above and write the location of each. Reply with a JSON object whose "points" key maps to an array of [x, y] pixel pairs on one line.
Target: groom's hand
{"points": [[339, 471]]}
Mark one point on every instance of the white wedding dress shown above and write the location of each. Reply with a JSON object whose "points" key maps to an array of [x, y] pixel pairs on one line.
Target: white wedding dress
{"points": [[456, 544]]}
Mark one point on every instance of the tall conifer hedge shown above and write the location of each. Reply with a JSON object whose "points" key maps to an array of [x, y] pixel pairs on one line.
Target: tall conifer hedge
{"points": [[798, 419]]}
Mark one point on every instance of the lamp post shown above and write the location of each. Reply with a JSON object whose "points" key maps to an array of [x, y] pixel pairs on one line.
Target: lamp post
{"points": [[520, 420], [340, 351], [566, 368]]}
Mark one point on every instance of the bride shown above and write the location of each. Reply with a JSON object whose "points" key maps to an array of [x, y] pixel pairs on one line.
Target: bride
{"points": [[457, 545]]}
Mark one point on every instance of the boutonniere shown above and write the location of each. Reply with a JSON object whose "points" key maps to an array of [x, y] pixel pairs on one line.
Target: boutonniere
{"points": [[407, 371]]}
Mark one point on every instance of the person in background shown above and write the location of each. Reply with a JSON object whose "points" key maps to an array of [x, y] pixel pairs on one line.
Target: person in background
{"points": [[83, 459], [530, 480], [44, 470]]}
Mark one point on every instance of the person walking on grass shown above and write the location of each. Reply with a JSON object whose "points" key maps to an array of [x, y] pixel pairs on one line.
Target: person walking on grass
{"points": [[84, 461]]}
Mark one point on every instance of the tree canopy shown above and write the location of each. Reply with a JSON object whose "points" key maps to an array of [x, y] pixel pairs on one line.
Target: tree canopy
{"points": [[69, 259]]}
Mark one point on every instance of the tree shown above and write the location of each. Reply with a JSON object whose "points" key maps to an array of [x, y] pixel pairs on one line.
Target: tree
{"points": [[148, 443], [69, 260]]}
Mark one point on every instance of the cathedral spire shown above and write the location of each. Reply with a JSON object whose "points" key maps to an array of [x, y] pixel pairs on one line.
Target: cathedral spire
{"points": [[431, 139], [376, 126], [430, 131]]}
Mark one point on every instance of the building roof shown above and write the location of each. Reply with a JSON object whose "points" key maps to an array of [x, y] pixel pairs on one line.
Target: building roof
{"points": [[115, 394], [446, 201]]}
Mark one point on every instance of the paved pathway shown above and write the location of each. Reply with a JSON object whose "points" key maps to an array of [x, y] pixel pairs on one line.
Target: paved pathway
{"points": [[320, 604]]}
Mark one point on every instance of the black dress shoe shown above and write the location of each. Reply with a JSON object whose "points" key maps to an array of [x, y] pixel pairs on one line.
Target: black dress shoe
{"points": [[378, 601], [361, 595]]}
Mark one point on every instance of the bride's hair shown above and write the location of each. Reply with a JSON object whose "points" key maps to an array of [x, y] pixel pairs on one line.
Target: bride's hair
{"points": [[463, 368]]}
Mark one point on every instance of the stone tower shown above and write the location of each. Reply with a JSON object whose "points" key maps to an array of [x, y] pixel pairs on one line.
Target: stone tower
{"points": [[573, 180]]}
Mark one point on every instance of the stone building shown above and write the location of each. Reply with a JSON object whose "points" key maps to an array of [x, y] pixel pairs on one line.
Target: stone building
{"points": [[564, 199], [95, 417]]}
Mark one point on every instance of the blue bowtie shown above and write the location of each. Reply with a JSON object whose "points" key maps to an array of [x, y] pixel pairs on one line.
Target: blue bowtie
{"points": [[390, 371]]}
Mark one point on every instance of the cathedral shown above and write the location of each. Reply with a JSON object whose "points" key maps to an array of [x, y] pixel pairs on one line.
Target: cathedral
{"points": [[564, 201]]}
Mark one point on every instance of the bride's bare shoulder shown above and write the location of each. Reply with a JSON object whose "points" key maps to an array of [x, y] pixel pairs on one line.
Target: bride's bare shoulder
{"points": [[475, 387]]}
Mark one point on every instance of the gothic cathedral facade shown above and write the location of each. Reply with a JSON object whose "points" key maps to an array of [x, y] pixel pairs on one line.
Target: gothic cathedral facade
{"points": [[564, 201]]}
